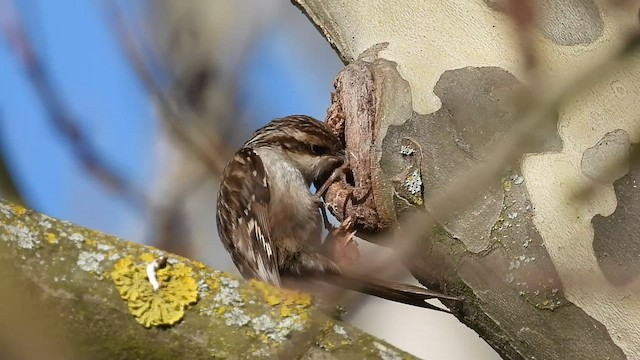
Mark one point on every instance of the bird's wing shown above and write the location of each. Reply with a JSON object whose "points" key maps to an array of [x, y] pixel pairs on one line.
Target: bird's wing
{"points": [[243, 218]]}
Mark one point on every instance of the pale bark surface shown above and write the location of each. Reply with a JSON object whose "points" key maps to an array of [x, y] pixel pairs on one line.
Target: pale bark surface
{"points": [[545, 273]]}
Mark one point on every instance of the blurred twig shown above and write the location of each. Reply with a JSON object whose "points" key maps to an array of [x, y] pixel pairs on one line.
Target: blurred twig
{"points": [[8, 185], [523, 14], [215, 155], [170, 231], [59, 115]]}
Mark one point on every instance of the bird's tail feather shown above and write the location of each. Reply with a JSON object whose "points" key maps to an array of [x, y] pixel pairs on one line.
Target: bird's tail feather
{"points": [[390, 290]]}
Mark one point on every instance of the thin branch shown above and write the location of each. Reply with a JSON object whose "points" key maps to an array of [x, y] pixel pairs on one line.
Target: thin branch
{"points": [[216, 154], [8, 184]]}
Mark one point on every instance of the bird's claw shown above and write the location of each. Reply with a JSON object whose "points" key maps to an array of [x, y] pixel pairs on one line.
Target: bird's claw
{"points": [[341, 247]]}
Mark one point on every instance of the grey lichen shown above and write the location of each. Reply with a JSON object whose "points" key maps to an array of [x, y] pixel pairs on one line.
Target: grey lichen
{"points": [[274, 330], [6, 210], [90, 261], [340, 331], [413, 182], [407, 150], [77, 239], [263, 323], [104, 247], [203, 288], [386, 353], [228, 294], [236, 317], [23, 237], [517, 179]]}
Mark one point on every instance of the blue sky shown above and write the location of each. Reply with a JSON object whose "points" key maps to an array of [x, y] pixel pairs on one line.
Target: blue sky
{"points": [[100, 91], [104, 96]]}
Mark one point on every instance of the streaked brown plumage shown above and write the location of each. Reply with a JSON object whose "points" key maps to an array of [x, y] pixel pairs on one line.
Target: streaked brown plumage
{"points": [[270, 222]]}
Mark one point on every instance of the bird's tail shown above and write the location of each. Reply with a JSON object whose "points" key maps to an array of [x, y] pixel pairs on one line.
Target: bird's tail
{"points": [[390, 290]]}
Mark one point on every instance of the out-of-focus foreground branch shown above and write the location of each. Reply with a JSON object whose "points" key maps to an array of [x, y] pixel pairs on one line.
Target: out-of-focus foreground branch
{"points": [[79, 279]]}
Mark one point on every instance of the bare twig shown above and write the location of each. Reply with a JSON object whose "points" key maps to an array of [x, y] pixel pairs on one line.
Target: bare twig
{"points": [[171, 232], [8, 184], [215, 155]]}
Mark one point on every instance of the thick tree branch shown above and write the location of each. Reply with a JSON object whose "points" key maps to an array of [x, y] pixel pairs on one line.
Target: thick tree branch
{"points": [[72, 273]]}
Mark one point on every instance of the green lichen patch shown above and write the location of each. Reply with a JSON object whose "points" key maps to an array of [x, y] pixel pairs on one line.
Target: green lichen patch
{"points": [[165, 306]]}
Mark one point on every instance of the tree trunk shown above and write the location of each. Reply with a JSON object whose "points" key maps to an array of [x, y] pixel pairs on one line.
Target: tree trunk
{"points": [[544, 248]]}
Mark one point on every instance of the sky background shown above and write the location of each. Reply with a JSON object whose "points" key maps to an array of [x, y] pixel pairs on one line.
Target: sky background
{"points": [[85, 62], [289, 71], [100, 91]]}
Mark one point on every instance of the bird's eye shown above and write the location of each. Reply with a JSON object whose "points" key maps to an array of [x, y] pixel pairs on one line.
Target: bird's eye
{"points": [[319, 149]]}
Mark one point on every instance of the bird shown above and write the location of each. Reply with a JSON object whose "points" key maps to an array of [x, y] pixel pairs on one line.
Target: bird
{"points": [[271, 223]]}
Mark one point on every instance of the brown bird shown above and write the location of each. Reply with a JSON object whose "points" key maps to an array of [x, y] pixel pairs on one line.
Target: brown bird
{"points": [[271, 223]]}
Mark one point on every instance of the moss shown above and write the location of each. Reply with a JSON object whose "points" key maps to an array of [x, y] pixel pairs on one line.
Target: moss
{"points": [[166, 306]]}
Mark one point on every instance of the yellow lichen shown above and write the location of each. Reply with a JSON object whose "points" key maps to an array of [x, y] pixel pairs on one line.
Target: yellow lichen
{"points": [[19, 210], [276, 296], [291, 302], [165, 306], [51, 238], [89, 241], [199, 264], [506, 184], [147, 258], [213, 283], [286, 311]]}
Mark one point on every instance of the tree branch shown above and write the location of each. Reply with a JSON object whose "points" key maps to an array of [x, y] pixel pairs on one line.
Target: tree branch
{"points": [[81, 278]]}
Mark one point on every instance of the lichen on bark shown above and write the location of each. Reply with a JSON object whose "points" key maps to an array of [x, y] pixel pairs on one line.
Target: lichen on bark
{"points": [[71, 270]]}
